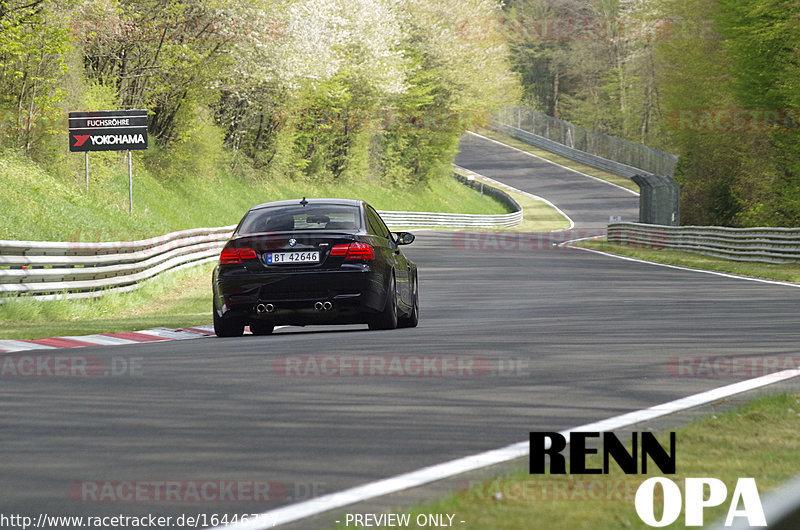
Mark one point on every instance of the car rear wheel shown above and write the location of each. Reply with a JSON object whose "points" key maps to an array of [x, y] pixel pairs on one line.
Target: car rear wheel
{"points": [[412, 319], [261, 328], [227, 327], [387, 319]]}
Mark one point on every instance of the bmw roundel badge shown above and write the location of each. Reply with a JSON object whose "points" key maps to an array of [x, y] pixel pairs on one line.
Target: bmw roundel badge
{"points": [[292, 242]]}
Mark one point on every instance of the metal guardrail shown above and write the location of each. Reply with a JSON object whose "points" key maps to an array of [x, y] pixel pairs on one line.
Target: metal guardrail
{"points": [[48, 270], [767, 245], [451, 220], [630, 154], [51, 270], [456, 220], [651, 169], [567, 151]]}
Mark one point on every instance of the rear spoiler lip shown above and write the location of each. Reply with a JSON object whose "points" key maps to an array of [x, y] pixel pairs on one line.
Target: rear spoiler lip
{"points": [[284, 233]]}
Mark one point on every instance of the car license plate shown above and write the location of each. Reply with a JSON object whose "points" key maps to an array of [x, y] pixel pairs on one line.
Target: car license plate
{"points": [[293, 257]]}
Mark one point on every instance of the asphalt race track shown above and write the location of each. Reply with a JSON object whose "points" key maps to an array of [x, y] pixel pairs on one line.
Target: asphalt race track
{"points": [[587, 202], [547, 338]]}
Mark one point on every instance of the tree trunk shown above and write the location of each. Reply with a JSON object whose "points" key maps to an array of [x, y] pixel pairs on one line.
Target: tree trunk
{"points": [[555, 93]]}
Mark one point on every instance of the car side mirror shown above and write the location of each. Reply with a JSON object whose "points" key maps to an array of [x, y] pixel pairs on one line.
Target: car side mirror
{"points": [[404, 238]]}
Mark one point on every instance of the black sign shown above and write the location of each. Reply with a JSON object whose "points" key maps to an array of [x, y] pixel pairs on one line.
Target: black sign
{"points": [[107, 130]]}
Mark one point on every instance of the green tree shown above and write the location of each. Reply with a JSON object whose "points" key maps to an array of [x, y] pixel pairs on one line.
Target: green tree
{"points": [[733, 59], [33, 42], [763, 41]]}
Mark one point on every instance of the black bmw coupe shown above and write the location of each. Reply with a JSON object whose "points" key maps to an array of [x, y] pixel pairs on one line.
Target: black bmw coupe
{"points": [[315, 261]]}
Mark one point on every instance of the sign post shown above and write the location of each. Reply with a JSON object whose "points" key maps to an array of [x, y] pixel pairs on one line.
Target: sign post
{"points": [[130, 182], [109, 130]]}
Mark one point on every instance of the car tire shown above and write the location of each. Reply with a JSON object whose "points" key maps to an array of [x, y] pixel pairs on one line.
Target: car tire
{"points": [[258, 327], [227, 327], [387, 319], [412, 319]]}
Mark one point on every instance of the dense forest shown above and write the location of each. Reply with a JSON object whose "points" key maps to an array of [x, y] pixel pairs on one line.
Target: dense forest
{"points": [[321, 89], [714, 81], [343, 89]]}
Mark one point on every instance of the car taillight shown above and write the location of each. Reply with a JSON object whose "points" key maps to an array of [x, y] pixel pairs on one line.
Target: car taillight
{"points": [[360, 251], [234, 256], [354, 251], [339, 250]]}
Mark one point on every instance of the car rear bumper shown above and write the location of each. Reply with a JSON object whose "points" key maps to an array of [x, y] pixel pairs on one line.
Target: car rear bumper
{"points": [[353, 295]]}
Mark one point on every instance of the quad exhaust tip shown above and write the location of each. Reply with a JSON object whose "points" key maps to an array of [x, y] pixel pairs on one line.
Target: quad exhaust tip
{"points": [[323, 306], [265, 308]]}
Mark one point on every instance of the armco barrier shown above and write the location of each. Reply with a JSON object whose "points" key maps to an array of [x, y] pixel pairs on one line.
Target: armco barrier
{"points": [[458, 220], [567, 152], [466, 177], [604, 146], [659, 200], [51, 270], [767, 245]]}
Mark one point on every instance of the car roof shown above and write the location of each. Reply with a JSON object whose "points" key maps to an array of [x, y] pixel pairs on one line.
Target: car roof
{"points": [[290, 202]]}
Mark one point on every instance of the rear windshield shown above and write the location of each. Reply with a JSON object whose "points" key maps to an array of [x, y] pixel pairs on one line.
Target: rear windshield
{"points": [[311, 217]]}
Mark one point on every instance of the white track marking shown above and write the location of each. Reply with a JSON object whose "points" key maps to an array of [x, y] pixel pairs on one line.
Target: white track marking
{"points": [[172, 334], [100, 340], [555, 163], [679, 267], [9, 346], [309, 508], [20, 345]]}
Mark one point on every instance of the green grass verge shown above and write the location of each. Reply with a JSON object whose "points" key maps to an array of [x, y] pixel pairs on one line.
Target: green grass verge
{"points": [[35, 205], [789, 272], [756, 440], [537, 216], [560, 160], [173, 299]]}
